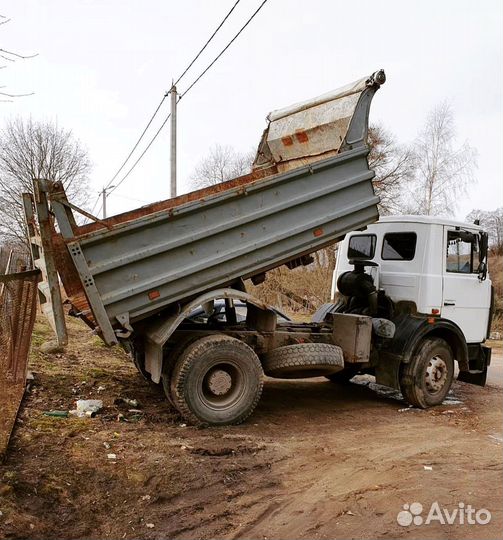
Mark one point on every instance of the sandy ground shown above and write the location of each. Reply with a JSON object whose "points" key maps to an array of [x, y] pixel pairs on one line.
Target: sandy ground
{"points": [[316, 460]]}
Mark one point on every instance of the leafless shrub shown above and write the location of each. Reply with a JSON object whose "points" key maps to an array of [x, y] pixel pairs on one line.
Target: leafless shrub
{"points": [[30, 150], [222, 163]]}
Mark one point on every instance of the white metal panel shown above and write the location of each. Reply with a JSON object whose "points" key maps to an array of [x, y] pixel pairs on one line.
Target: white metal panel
{"points": [[466, 300]]}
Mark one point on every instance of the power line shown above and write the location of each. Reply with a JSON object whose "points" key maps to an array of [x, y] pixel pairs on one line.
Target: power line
{"points": [[186, 91], [207, 43], [225, 48], [137, 142], [141, 155], [95, 203], [164, 97], [99, 209]]}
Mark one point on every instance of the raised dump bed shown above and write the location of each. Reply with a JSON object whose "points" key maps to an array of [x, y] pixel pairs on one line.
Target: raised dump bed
{"points": [[296, 200], [137, 277]]}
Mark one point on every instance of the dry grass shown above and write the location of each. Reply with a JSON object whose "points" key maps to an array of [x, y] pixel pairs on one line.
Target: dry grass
{"points": [[496, 275]]}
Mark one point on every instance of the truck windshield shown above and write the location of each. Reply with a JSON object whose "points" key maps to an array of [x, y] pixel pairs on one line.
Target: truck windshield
{"points": [[462, 253], [362, 246]]}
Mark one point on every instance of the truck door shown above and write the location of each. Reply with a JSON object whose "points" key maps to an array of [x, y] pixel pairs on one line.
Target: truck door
{"points": [[466, 299]]}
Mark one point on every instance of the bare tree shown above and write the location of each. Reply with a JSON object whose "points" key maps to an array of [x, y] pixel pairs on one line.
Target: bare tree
{"points": [[10, 57], [442, 170], [492, 222], [31, 150], [223, 163], [394, 168]]}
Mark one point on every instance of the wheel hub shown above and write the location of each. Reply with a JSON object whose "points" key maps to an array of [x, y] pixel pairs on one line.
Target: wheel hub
{"points": [[219, 382], [436, 374]]}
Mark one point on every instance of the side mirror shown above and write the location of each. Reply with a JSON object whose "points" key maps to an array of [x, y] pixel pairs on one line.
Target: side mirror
{"points": [[483, 245], [482, 271]]}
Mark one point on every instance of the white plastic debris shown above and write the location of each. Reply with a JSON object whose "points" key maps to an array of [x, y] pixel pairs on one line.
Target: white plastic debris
{"points": [[87, 407], [112, 456], [428, 467], [150, 525]]}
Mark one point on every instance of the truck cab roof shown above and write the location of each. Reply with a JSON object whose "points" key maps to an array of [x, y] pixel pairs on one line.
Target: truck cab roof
{"points": [[432, 220]]}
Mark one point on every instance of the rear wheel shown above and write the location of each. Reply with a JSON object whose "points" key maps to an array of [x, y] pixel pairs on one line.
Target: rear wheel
{"points": [[171, 356], [217, 380], [427, 378]]}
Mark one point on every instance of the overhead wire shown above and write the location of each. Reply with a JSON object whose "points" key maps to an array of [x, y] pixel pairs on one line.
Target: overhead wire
{"points": [[225, 48], [141, 155], [184, 93], [207, 43], [164, 97], [137, 142]]}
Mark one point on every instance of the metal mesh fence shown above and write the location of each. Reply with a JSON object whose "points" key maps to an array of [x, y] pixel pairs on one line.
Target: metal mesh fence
{"points": [[18, 296]]}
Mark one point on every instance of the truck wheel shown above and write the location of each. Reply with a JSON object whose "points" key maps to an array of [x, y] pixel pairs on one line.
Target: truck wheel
{"points": [[303, 360], [217, 381], [427, 378], [171, 356]]}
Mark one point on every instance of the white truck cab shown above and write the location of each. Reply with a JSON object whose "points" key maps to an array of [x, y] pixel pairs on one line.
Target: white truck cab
{"points": [[422, 284], [429, 261]]}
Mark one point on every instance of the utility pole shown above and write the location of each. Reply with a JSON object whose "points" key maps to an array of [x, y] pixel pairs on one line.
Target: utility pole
{"points": [[174, 95], [104, 195]]}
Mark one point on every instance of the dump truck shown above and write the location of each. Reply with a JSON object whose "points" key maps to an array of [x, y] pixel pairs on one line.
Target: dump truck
{"points": [[136, 278]]}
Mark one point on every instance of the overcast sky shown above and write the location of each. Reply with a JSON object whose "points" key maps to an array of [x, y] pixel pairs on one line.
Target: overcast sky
{"points": [[103, 66]]}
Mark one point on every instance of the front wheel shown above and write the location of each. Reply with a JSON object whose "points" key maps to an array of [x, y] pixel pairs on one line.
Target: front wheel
{"points": [[217, 380], [427, 378]]}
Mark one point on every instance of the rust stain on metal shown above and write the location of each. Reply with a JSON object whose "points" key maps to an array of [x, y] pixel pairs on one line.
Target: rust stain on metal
{"points": [[301, 136], [172, 204], [287, 141], [318, 232], [154, 294]]}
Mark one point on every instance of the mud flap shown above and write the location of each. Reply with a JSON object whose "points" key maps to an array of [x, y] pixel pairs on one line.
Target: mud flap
{"points": [[478, 368]]}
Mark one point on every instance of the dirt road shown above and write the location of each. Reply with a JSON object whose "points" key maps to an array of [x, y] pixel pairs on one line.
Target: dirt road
{"points": [[316, 460]]}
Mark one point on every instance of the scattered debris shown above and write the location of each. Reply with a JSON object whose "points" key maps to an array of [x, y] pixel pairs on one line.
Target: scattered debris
{"points": [[126, 401], [57, 414], [150, 525], [106, 445], [427, 467], [87, 407], [410, 407], [100, 389], [112, 456]]}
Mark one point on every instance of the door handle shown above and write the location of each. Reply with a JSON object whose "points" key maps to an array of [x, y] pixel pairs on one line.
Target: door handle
{"points": [[449, 303]]}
